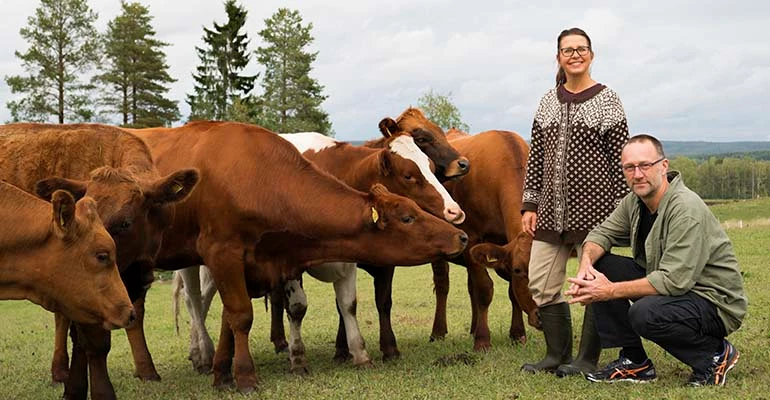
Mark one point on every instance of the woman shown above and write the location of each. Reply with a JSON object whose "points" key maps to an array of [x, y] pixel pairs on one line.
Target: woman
{"points": [[573, 183]]}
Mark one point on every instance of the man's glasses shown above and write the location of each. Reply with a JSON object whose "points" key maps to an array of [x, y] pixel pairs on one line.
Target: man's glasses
{"points": [[569, 51], [644, 166]]}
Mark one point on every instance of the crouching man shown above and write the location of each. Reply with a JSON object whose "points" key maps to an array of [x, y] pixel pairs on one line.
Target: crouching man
{"points": [[682, 289]]}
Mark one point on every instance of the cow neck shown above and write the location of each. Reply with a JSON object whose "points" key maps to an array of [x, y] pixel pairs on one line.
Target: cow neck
{"points": [[353, 165]]}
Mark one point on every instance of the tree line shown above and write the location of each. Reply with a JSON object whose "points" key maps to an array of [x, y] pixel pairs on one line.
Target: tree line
{"points": [[73, 73], [725, 177]]}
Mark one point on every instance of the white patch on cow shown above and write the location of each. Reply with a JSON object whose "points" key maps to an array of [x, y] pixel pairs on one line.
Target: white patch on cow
{"points": [[405, 147], [305, 141]]}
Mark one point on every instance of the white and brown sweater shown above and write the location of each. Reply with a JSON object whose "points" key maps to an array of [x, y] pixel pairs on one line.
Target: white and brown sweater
{"points": [[574, 179]]}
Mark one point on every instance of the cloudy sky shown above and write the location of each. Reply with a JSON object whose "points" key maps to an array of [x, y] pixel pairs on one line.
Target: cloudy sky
{"points": [[685, 70]]}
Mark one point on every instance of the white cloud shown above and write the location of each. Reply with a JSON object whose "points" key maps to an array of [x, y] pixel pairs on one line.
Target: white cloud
{"points": [[685, 70]]}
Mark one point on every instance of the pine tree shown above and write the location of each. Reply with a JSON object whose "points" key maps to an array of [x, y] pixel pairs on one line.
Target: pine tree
{"points": [[63, 45], [440, 109], [291, 101], [218, 83], [136, 72]]}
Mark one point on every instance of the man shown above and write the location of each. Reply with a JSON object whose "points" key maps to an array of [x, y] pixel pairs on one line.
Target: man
{"points": [[683, 279]]}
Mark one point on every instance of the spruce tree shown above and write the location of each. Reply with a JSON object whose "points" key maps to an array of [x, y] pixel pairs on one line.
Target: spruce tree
{"points": [[63, 46], [218, 82], [135, 72], [291, 101]]}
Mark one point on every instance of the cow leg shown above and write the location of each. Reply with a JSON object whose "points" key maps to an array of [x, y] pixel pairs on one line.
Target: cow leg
{"points": [[76, 385], [208, 291], [296, 300], [517, 332], [226, 263], [341, 352], [483, 291], [97, 348], [526, 302], [345, 290], [441, 288], [145, 368], [383, 290], [60, 364], [277, 332], [223, 357], [201, 347]]}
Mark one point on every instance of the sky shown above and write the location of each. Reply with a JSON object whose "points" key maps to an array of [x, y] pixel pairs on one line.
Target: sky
{"points": [[684, 70]]}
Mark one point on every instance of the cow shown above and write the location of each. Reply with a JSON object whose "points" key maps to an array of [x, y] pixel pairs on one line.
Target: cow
{"points": [[490, 195], [132, 200], [265, 213], [401, 167], [59, 256], [429, 137]]}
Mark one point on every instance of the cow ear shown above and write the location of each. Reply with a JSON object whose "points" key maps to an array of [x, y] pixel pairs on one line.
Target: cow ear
{"points": [[63, 213], [388, 127], [46, 187], [488, 254], [386, 162], [174, 187]]}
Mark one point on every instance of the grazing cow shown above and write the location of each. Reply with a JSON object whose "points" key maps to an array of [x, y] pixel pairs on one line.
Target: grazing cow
{"points": [[401, 167], [490, 195], [116, 169], [266, 213], [61, 259]]}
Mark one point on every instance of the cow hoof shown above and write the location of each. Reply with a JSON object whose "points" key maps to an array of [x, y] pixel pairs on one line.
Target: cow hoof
{"points": [[280, 346], [516, 340], [203, 369], [386, 357], [300, 370], [434, 338], [147, 377], [365, 364], [59, 378], [482, 347], [342, 356]]}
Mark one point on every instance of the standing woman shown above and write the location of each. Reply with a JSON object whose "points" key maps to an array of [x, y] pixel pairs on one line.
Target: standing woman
{"points": [[573, 182]]}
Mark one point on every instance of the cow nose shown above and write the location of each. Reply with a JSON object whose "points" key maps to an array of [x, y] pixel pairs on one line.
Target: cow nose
{"points": [[132, 316], [463, 164], [463, 238]]}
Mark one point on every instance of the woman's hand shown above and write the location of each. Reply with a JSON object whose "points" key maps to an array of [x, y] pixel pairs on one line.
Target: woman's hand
{"points": [[529, 221]]}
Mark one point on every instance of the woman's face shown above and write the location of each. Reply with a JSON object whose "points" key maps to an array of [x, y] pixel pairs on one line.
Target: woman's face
{"points": [[575, 55]]}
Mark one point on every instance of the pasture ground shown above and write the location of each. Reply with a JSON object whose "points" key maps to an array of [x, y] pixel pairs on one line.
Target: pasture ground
{"points": [[441, 370]]}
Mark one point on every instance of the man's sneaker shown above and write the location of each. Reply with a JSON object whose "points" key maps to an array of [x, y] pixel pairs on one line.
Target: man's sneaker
{"points": [[624, 370], [721, 364]]}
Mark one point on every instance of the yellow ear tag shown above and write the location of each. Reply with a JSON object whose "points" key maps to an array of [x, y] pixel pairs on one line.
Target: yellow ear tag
{"points": [[177, 188], [375, 215], [490, 259]]}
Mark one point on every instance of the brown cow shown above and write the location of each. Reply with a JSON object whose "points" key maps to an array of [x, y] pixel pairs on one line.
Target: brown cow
{"points": [[116, 169], [61, 259], [258, 189], [402, 167], [490, 195], [430, 138]]}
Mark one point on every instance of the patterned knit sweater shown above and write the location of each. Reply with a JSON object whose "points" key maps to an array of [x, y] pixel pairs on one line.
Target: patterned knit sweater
{"points": [[574, 179]]}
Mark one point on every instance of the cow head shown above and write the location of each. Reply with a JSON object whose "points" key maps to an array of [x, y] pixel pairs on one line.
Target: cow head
{"points": [[84, 280], [406, 170], [134, 212], [509, 261], [411, 235], [430, 138]]}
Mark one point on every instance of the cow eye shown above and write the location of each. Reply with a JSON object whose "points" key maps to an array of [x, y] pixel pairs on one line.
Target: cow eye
{"points": [[407, 219], [409, 178], [103, 257], [120, 227]]}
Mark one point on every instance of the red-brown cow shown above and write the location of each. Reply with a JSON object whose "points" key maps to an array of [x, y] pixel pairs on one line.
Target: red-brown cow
{"points": [[116, 169], [403, 168], [430, 138], [60, 258], [490, 195], [258, 189]]}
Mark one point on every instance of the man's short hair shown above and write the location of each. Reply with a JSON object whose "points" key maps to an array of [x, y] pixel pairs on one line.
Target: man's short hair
{"points": [[643, 137]]}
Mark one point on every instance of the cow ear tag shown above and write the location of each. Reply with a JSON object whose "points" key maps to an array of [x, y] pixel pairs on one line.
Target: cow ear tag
{"points": [[375, 215], [177, 188], [491, 259]]}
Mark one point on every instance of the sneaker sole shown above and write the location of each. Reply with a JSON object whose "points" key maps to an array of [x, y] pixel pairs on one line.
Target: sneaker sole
{"points": [[622, 380]]}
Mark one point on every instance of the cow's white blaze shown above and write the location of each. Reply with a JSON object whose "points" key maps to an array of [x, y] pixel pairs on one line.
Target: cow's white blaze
{"points": [[305, 141], [405, 147]]}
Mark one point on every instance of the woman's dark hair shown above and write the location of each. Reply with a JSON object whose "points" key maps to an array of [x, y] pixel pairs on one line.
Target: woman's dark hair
{"points": [[561, 76]]}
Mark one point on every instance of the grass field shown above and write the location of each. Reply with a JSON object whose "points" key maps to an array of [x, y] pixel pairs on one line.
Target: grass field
{"points": [[26, 342]]}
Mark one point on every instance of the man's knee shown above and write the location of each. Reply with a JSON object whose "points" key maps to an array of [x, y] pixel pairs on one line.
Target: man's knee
{"points": [[642, 313]]}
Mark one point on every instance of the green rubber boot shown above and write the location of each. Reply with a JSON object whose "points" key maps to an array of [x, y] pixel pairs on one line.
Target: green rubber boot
{"points": [[557, 328], [589, 351]]}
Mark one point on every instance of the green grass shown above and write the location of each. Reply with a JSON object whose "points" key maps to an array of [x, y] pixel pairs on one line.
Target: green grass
{"points": [[26, 342]]}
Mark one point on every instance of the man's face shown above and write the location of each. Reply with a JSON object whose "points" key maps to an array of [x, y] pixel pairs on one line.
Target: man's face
{"points": [[644, 169]]}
